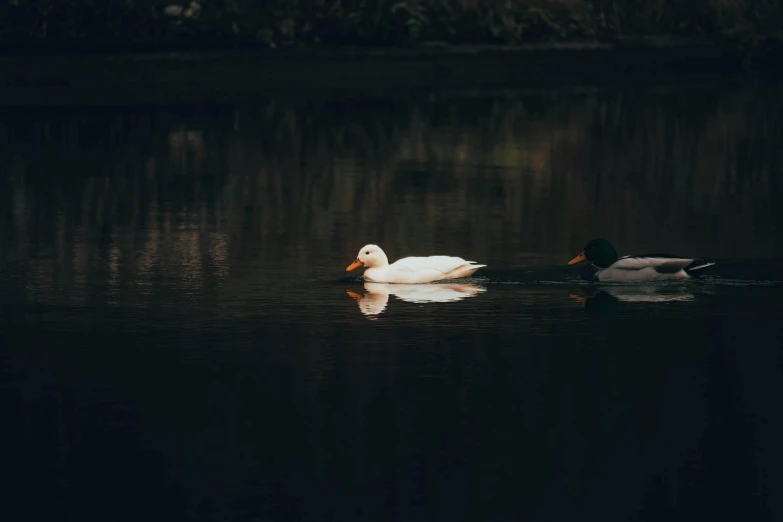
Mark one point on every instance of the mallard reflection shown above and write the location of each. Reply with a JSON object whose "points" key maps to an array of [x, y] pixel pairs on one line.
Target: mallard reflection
{"points": [[607, 299]]}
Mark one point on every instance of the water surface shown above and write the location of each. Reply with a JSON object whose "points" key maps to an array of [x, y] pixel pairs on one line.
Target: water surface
{"points": [[181, 341]]}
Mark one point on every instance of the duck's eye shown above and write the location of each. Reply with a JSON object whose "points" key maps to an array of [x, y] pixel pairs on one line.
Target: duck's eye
{"points": [[366, 253]]}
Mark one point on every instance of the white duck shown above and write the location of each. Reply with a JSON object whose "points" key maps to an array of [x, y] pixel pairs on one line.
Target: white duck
{"points": [[410, 269]]}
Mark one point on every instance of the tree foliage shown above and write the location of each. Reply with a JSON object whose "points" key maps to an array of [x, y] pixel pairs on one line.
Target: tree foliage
{"points": [[274, 23]]}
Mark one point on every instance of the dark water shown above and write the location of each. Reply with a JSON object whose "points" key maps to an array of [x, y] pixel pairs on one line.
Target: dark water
{"points": [[178, 341]]}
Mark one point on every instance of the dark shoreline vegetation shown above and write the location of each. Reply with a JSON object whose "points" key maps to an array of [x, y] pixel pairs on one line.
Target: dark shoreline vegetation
{"points": [[160, 51], [145, 25]]}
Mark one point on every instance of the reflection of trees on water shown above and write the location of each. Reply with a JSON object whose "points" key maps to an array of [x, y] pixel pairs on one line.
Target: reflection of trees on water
{"points": [[159, 200], [151, 194]]}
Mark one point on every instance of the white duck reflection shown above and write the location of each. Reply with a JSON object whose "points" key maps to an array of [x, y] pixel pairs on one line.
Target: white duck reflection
{"points": [[377, 297]]}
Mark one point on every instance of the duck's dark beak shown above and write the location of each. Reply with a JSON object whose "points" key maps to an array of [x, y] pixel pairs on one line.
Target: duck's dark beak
{"points": [[355, 264], [578, 259]]}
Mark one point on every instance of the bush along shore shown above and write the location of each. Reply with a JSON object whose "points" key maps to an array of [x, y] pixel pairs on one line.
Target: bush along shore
{"points": [[193, 51], [50, 26]]}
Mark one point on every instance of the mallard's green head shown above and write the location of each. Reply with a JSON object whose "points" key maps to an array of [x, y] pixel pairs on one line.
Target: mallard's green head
{"points": [[598, 251]]}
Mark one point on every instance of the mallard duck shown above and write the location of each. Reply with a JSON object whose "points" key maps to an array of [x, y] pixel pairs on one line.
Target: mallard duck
{"points": [[410, 269], [605, 266]]}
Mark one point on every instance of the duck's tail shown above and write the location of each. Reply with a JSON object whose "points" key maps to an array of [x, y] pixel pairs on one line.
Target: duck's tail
{"points": [[698, 267], [464, 270]]}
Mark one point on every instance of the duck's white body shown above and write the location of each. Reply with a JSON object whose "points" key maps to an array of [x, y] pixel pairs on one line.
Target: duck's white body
{"points": [[421, 270], [411, 270]]}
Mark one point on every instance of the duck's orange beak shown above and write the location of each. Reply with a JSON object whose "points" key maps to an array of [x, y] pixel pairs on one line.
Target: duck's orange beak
{"points": [[356, 296], [578, 259], [578, 298], [354, 265]]}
